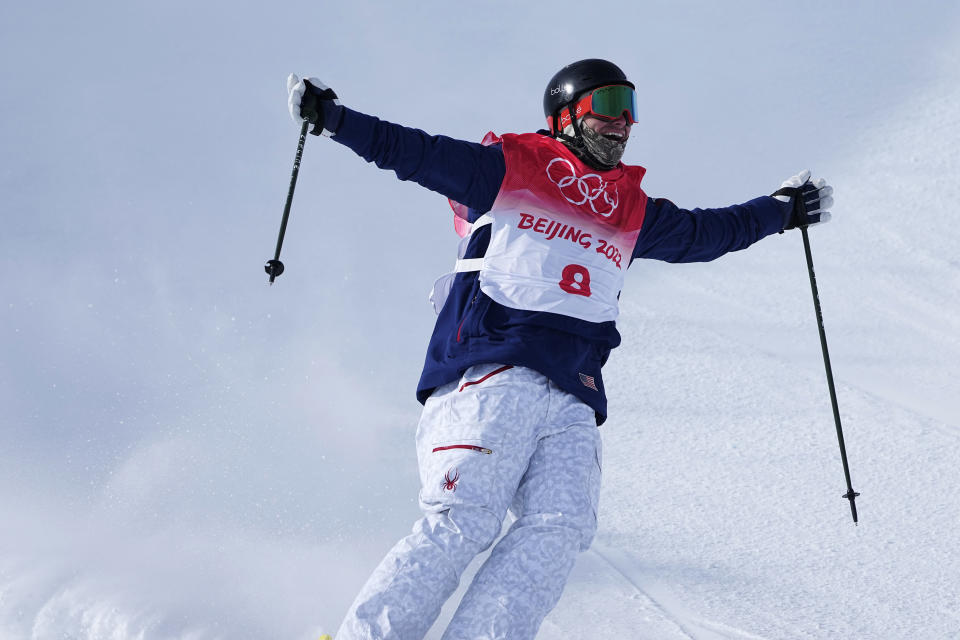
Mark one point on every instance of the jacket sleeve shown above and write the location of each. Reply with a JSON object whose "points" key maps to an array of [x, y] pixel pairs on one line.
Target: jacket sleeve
{"points": [[465, 172], [672, 234]]}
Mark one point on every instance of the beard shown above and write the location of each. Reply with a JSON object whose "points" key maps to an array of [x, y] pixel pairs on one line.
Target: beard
{"points": [[605, 151], [594, 149]]}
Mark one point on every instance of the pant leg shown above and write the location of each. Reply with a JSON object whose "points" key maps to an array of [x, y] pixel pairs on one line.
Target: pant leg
{"points": [[556, 506], [473, 445]]}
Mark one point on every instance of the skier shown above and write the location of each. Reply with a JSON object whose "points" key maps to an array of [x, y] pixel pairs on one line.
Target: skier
{"points": [[512, 386]]}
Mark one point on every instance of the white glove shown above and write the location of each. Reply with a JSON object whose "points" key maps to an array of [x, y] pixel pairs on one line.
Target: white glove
{"points": [[310, 99], [811, 200]]}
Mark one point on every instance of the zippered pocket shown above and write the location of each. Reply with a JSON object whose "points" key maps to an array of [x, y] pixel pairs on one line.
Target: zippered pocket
{"points": [[483, 379], [458, 471], [471, 447]]}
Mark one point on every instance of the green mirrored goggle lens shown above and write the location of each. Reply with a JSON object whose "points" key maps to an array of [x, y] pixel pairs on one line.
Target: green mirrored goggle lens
{"points": [[612, 101]]}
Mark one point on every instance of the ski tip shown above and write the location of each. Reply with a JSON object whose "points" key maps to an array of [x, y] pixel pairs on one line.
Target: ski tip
{"points": [[324, 637]]}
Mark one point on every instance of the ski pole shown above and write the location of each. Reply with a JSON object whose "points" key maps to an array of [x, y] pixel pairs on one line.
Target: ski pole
{"points": [[850, 495], [274, 267]]}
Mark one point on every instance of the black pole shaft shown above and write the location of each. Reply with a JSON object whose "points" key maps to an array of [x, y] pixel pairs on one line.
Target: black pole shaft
{"points": [[286, 207], [851, 495]]}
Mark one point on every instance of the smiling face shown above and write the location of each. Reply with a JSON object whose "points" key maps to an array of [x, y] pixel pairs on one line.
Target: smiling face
{"points": [[617, 130], [601, 141]]}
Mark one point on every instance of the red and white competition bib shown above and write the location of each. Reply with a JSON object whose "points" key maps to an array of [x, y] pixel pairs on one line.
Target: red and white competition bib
{"points": [[562, 233]]}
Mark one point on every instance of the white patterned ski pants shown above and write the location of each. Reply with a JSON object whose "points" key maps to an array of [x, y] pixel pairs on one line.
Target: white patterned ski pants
{"points": [[499, 438]]}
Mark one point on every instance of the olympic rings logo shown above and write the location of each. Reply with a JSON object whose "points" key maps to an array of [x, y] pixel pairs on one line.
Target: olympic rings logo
{"points": [[581, 190]]}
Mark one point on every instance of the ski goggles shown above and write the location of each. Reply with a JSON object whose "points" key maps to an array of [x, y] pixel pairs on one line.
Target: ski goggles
{"points": [[607, 103]]}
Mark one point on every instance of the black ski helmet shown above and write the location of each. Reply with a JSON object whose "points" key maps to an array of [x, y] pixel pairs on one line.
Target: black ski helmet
{"points": [[575, 79]]}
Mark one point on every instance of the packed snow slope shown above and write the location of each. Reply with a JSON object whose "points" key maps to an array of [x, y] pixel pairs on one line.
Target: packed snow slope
{"points": [[188, 453]]}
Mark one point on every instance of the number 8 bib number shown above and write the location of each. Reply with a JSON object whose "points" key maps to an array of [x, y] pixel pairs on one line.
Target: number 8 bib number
{"points": [[575, 280]]}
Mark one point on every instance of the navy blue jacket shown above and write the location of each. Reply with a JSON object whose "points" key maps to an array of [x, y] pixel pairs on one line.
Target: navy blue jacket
{"points": [[473, 329]]}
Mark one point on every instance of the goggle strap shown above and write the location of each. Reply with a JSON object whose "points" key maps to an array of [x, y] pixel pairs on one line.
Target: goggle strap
{"points": [[573, 120]]}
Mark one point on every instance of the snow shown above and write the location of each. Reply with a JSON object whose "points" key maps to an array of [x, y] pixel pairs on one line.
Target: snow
{"points": [[188, 453]]}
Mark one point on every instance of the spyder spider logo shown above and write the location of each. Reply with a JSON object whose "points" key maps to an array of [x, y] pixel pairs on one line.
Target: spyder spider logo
{"points": [[450, 484]]}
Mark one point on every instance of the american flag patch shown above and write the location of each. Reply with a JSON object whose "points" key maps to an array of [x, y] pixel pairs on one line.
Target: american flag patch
{"points": [[588, 381]]}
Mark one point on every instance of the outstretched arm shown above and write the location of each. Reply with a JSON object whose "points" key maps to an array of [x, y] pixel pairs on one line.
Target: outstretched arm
{"points": [[466, 172], [673, 234]]}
